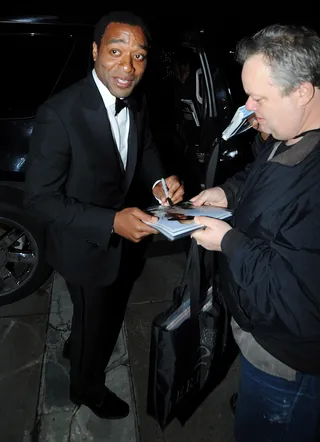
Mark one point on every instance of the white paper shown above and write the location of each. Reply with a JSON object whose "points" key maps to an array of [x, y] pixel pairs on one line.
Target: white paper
{"points": [[238, 124], [174, 228]]}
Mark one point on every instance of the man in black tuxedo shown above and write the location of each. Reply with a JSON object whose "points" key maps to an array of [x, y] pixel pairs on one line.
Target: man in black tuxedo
{"points": [[86, 150]]}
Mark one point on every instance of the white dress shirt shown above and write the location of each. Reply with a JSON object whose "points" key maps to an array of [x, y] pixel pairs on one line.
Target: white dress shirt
{"points": [[120, 123]]}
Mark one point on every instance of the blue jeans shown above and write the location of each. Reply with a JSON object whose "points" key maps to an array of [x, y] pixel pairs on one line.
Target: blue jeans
{"points": [[272, 409]]}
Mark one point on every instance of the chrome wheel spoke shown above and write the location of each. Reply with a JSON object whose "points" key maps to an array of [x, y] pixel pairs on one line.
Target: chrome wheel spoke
{"points": [[21, 257], [8, 238], [18, 256], [10, 281], [4, 273]]}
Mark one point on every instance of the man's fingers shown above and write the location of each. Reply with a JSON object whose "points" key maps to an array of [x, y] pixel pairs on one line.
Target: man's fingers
{"points": [[208, 222], [178, 195], [199, 235], [146, 229], [198, 200], [147, 218], [173, 185], [198, 219], [204, 220], [140, 215]]}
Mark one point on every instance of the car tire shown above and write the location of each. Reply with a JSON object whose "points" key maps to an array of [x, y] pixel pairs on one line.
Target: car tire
{"points": [[23, 268]]}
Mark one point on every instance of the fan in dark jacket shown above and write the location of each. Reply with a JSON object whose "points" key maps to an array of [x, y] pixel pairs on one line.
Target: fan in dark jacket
{"points": [[270, 251]]}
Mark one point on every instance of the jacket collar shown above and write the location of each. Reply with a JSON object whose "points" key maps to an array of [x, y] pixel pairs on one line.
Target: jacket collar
{"points": [[296, 153]]}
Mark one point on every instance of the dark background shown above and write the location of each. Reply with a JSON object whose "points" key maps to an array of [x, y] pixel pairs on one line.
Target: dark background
{"points": [[229, 21]]}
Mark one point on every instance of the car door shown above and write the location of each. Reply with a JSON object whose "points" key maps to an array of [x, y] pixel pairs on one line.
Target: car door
{"points": [[38, 60], [50, 58], [184, 111], [235, 153]]}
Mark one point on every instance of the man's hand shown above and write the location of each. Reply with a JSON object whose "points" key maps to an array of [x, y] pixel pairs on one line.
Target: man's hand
{"points": [[211, 197], [211, 237], [175, 190], [127, 223]]}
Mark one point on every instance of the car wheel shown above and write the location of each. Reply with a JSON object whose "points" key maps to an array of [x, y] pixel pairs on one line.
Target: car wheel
{"points": [[22, 266]]}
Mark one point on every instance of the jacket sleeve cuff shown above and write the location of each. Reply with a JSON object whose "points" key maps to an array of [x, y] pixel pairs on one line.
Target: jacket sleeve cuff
{"points": [[231, 241], [228, 193]]}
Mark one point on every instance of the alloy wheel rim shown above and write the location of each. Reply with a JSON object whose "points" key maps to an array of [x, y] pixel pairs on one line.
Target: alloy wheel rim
{"points": [[19, 256]]}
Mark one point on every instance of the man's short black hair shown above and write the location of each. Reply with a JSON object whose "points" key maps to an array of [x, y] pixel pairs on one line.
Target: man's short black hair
{"points": [[126, 17]]}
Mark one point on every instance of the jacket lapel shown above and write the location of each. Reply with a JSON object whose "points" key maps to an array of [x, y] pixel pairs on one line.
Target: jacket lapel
{"points": [[132, 150], [98, 121], [96, 116]]}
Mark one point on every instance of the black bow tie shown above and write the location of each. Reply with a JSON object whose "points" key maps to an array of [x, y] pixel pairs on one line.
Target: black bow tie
{"points": [[123, 102]]}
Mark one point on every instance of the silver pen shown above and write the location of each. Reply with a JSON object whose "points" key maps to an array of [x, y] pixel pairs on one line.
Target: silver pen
{"points": [[166, 192]]}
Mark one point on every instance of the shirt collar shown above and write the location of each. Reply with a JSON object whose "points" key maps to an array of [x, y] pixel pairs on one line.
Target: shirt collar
{"points": [[108, 98]]}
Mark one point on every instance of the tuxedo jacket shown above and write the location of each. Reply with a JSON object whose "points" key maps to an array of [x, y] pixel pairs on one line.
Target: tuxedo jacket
{"points": [[76, 182]]}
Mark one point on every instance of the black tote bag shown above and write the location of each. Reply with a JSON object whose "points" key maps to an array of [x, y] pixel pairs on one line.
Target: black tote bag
{"points": [[186, 343]]}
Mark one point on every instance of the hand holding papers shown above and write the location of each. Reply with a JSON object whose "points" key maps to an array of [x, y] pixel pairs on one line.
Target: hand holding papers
{"points": [[177, 221], [239, 123]]}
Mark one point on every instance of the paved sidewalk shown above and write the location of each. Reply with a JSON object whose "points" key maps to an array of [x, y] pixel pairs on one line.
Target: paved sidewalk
{"points": [[152, 294], [23, 328], [34, 403], [61, 421]]}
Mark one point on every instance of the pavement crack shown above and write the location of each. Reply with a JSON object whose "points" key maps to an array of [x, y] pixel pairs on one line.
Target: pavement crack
{"points": [[19, 323], [24, 367], [65, 326], [73, 418], [27, 315], [7, 331], [158, 301]]}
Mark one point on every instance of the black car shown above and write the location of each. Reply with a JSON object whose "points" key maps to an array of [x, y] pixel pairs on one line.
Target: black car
{"points": [[44, 54], [189, 110]]}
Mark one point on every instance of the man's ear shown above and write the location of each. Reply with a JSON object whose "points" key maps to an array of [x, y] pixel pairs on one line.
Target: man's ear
{"points": [[305, 93], [94, 51]]}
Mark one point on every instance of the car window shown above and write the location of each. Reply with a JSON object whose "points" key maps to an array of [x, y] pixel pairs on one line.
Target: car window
{"points": [[175, 90], [34, 66], [233, 73]]}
